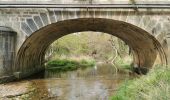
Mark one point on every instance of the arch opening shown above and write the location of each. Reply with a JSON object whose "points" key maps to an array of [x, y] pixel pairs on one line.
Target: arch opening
{"points": [[144, 46], [96, 47]]}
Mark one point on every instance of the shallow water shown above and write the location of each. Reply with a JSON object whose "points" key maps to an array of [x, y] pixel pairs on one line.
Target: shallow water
{"points": [[95, 83]]}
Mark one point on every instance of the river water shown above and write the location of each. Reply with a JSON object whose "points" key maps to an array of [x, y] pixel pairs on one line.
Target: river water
{"points": [[95, 83]]}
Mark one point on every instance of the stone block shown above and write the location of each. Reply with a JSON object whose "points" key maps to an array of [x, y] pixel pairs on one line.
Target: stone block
{"points": [[44, 18], [32, 24], [38, 21], [52, 16], [26, 28]]}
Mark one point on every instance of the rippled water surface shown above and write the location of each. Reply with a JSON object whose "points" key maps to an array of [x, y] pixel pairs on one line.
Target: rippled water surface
{"points": [[96, 83]]}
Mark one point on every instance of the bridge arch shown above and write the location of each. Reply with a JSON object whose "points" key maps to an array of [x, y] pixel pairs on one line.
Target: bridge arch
{"points": [[145, 47]]}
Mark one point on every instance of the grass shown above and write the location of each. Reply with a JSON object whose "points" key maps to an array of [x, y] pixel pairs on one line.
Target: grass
{"points": [[122, 64], [154, 86], [62, 65]]}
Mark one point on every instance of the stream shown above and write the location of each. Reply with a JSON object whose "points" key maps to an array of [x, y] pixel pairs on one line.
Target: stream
{"points": [[95, 83]]}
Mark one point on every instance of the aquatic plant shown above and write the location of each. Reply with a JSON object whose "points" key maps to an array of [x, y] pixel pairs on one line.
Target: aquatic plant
{"points": [[68, 65]]}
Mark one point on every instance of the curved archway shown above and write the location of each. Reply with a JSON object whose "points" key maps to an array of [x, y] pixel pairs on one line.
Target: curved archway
{"points": [[145, 47]]}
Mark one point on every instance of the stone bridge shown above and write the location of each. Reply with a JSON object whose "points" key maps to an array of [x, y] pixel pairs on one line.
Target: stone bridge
{"points": [[27, 31]]}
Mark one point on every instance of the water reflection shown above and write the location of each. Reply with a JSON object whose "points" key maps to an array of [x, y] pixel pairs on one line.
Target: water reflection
{"points": [[106, 71], [96, 83]]}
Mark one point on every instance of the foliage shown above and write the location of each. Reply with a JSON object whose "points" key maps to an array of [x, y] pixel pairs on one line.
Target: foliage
{"points": [[86, 43], [95, 45], [68, 65], [154, 86], [123, 64]]}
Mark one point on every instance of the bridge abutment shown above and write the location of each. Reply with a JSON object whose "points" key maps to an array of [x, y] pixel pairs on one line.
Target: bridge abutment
{"points": [[7, 53]]}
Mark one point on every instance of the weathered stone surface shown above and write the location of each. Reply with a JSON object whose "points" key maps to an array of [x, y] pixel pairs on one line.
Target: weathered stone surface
{"points": [[83, 1], [38, 21], [7, 51], [44, 18], [145, 46], [150, 23], [52, 16], [32, 24], [58, 15], [26, 28]]}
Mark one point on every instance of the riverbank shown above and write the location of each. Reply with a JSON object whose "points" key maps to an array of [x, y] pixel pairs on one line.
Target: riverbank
{"points": [[153, 86], [22, 90]]}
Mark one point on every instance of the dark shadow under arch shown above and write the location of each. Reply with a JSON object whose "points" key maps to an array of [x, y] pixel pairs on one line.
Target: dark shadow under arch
{"points": [[145, 47]]}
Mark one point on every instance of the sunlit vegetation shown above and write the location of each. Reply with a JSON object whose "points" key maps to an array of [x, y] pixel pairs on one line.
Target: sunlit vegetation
{"points": [[97, 46], [68, 65], [125, 63], [154, 86]]}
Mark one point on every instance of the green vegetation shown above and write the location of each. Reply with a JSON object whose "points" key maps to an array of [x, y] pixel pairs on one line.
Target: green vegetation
{"points": [[68, 65], [99, 46], [154, 86], [123, 64]]}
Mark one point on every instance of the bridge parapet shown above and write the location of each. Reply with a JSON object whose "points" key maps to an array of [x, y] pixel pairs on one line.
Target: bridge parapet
{"points": [[85, 1]]}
